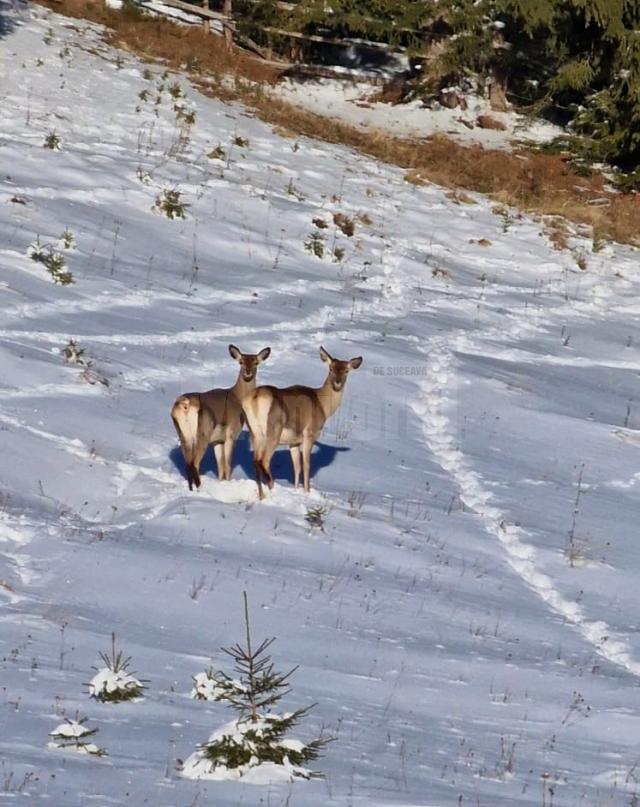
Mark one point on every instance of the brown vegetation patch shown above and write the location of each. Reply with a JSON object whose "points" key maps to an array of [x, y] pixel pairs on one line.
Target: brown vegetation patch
{"points": [[541, 183], [179, 46]]}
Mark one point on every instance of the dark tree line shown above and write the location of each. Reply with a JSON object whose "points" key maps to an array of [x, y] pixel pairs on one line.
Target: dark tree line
{"points": [[575, 61]]}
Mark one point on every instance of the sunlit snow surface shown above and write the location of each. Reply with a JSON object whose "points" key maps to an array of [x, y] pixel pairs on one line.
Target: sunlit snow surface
{"points": [[453, 651]]}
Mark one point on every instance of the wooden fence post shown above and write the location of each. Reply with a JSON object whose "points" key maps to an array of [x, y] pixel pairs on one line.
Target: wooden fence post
{"points": [[205, 22], [228, 23]]}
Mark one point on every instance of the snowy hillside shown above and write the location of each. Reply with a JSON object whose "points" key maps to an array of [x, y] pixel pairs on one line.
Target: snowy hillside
{"points": [[467, 619]]}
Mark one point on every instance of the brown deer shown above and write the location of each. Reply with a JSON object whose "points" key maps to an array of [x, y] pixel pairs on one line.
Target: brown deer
{"points": [[295, 417], [215, 417]]}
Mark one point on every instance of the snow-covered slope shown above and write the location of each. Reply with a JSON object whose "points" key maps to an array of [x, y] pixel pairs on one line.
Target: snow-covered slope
{"points": [[467, 620]]}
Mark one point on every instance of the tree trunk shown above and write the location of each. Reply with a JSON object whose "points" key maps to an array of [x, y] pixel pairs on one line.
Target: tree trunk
{"points": [[498, 91], [228, 24]]}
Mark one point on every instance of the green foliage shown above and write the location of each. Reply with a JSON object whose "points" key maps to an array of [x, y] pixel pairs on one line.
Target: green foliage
{"points": [[262, 741], [574, 61], [169, 203], [52, 141], [315, 244], [258, 736], [52, 260]]}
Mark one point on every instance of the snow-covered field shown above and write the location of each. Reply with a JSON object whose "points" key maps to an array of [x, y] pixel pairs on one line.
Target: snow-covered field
{"points": [[354, 102], [467, 620]]}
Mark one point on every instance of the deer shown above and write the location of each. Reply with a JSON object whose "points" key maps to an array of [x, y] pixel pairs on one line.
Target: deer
{"points": [[215, 417], [295, 417]]}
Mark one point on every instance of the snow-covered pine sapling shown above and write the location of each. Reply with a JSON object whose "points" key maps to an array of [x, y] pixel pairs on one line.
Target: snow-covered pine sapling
{"points": [[169, 203], [254, 746], [67, 240], [74, 735], [52, 141], [113, 683], [52, 260], [184, 114], [175, 90], [315, 516], [73, 353], [315, 244]]}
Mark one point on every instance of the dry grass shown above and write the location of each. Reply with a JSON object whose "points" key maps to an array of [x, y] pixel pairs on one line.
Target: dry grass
{"points": [[539, 183]]}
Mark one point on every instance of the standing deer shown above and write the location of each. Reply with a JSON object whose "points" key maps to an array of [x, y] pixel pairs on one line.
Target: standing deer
{"points": [[293, 416], [215, 417]]}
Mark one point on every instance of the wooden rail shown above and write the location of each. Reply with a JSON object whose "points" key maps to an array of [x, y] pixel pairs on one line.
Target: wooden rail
{"points": [[230, 32]]}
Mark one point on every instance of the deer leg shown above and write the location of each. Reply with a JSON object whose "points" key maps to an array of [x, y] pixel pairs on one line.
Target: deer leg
{"points": [[307, 445], [229, 444], [195, 475], [267, 454], [295, 458], [258, 469], [218, 450]]}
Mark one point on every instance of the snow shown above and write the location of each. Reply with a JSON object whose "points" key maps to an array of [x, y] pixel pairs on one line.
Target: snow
{"points": [[198, 766], [205, 687], [70, 729], [453, 650], [353, 102], [113, 682]]}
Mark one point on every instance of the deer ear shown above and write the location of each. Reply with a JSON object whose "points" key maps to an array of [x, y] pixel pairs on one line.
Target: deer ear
{"points": [[355, 363], [264, 354], [235, 352], [326, 358]]}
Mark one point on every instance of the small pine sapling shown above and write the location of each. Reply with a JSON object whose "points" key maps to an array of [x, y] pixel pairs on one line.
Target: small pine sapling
{"points": [[315, 244], [52, 141], [53, 261], [253, 747], [113, 683], [315, 517], [67, 240], [73, 353], [169, 203], [74, 735]]}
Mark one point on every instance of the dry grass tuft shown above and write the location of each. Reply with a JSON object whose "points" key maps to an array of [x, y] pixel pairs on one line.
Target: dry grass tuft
{"points": [[540, 183], [557, 231]]}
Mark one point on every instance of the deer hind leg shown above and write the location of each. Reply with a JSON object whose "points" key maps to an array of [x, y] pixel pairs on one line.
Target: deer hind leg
{"points": [[185, 415], [196, 461], [275, 424], [256, 448], [295, 459], [307, 446]]}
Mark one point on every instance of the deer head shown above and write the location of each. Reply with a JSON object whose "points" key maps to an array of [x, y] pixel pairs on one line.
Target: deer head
{"points": [[249, 361], [338, 369]]}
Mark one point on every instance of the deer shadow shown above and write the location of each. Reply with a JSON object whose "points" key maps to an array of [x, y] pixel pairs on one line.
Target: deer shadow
{"points": [[322, 456], [11, 12]]}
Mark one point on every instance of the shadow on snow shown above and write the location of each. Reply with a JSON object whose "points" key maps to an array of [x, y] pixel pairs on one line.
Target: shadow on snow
{"points": [[10, 12], [281, 465]]}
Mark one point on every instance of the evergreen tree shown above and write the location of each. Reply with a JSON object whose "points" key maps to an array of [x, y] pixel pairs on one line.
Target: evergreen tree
{"points": [[258, 736], [574, 61]]}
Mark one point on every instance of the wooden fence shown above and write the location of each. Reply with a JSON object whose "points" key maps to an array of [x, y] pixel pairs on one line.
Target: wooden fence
{"points": [[231, 33]]}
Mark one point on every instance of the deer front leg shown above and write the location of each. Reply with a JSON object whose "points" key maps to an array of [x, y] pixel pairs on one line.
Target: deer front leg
{"points": [[307, 445], [295, 459], [229, 443], [218, 450]]}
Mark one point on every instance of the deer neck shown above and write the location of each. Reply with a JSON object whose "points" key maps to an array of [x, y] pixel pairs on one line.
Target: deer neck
{"points": [[242, 389], [328, 398]]}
